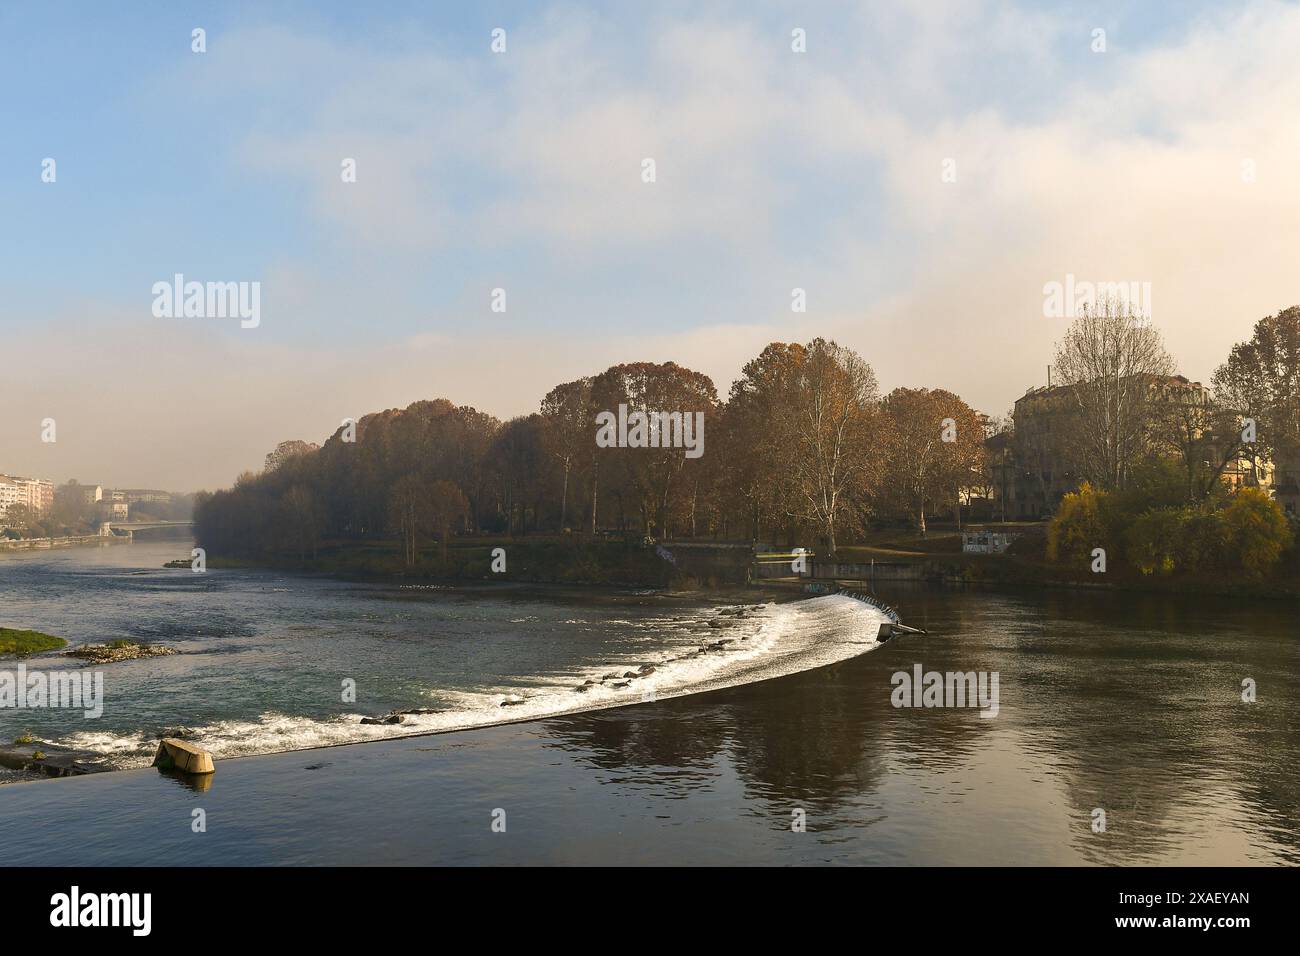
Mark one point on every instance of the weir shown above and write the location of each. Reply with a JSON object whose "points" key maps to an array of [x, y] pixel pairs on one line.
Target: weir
{"points": [[741, 644], [891, 628]]}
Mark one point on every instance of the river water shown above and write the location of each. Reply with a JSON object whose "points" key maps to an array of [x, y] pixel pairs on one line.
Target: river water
{"points": [[1129, 705]]}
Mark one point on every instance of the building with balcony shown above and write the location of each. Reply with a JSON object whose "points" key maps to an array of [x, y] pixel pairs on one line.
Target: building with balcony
{"points": [[37, 494], [8, 494], [1031, 470], [114, 510]]}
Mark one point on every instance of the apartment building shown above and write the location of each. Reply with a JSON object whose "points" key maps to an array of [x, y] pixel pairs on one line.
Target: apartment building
{"points": [[114, 509], [8, 494], [37, 494], [1031, 472]]}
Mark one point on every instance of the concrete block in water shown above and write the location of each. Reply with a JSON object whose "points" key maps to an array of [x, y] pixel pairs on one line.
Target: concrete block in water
{"points": [[176, 754]]}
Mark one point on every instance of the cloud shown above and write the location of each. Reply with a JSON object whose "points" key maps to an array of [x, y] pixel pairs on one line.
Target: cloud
{"points": [[775, 169], [196, 406]]}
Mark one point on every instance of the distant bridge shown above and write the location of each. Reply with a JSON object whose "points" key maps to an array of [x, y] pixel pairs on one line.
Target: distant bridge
{"points": [[106, 527]]}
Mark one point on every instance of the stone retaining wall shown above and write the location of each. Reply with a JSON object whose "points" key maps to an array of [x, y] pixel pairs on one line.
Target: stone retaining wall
{"points": [[45, 544]]}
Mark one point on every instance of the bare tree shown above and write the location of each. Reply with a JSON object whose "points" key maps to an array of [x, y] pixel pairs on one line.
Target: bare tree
{"points": [[1205, 435], [409, 511], [829, 426], [1112, 365]]}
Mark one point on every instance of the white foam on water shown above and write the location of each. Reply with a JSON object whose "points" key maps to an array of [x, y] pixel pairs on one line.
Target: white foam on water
{"points": [[107, 743], [773, 641]]}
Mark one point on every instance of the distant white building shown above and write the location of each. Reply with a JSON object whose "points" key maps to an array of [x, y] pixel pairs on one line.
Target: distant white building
{"points": [[113, 510], [40, 494], [36, 493], [8, 494], [135, 495], [92, 494]]}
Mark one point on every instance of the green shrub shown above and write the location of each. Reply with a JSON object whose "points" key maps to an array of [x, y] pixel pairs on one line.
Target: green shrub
{"points": [[1154, 539], [1202, 543], [1152, 485], [1079, 526], [1256, 531]]}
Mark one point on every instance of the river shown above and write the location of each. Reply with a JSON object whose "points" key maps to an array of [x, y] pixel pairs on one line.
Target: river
{"points": [[1125, 704]]}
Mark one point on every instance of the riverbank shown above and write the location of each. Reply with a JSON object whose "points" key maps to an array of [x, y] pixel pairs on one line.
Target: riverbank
{"points": [[1012, 573], [76, 541], [716, 567], [938, 558], [19, 642], [536, 560]]}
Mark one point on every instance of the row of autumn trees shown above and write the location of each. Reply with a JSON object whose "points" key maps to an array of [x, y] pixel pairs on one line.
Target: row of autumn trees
{"points": [[803, 448]]}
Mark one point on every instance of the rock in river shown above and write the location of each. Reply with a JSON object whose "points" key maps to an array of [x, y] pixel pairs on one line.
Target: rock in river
{"points": [[115, 651]]}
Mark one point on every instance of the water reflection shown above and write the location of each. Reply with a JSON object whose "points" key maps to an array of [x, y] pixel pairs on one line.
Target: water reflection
{"points": [[1128, 703], [195, 782]]}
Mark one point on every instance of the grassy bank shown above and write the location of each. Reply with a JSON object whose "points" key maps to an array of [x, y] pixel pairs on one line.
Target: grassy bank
{"points": [[14, 641], [555, 559], [539, 559], [1025, 565]]}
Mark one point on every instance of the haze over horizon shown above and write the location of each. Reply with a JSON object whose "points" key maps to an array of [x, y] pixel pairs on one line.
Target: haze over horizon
{"points": [[820, 170]]}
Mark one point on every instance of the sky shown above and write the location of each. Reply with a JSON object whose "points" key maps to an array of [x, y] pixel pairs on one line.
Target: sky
{"points": [[1172, 157]]}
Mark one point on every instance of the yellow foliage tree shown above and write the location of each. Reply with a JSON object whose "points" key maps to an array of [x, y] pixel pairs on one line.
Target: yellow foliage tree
{"points": [[1257, 531], [1078, 526]]}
